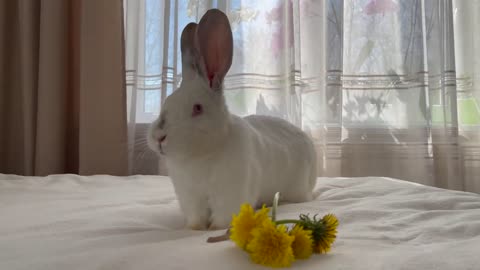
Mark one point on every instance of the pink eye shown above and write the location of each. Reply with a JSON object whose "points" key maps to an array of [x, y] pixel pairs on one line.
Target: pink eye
{"points": [[197, 109]]}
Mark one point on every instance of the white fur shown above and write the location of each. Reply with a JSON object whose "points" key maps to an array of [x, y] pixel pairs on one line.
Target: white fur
{"points": [[217, 160]]}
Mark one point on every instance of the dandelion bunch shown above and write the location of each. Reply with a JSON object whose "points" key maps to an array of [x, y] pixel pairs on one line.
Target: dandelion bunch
{"points": [[271, 243]]}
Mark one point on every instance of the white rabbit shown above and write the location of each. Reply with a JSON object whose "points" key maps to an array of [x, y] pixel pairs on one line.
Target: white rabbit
{"points": [[217, 160]]}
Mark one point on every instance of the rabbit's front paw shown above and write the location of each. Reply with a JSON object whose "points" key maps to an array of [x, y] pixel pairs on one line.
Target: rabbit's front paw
{"points": [[197, 223], [214, 227], [197, 227], [220, 222]]}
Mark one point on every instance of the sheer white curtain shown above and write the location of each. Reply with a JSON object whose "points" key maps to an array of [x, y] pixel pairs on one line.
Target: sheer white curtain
{"points": [[386, 88]]}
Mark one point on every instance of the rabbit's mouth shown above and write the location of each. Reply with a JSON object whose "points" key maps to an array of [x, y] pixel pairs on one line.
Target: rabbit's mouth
{"points": [[161, 140], [161, 150]]}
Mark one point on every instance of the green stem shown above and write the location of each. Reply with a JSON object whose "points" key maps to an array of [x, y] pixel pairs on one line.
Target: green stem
{"points": [[286, 221], [274, 206]]}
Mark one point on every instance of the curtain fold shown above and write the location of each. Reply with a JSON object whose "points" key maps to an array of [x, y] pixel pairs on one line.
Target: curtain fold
{"points": [[62, 92], [386, 88]]}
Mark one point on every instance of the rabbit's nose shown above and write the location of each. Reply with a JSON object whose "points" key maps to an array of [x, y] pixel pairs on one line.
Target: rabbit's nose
{"points": [[162, 139]]}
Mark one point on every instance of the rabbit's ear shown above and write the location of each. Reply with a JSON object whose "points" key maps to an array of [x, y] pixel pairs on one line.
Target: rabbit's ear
{"points": [[190, 57], [215, 43]]}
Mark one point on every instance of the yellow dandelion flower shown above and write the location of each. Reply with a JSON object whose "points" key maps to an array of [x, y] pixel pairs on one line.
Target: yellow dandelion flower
{"points": [[243, 224], [271, 245], [302, 245], [325, 241]]}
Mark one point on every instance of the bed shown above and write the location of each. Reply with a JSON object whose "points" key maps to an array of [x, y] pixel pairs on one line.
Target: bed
{"points": [[105, 222]]}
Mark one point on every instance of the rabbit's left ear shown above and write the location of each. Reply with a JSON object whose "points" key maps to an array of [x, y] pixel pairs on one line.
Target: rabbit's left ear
{"points": [[215, 44], [190, 56]]}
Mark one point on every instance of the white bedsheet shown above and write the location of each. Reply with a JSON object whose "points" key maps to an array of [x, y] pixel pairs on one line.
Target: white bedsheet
{"points": [[104, 222]]}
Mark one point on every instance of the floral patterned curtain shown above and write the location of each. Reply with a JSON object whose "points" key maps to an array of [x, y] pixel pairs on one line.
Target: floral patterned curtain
{"points": [[385, 88]]}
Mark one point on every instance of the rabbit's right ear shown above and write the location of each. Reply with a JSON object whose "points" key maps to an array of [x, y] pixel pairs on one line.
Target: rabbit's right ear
{"points": [[190, 56], [214, 41]]}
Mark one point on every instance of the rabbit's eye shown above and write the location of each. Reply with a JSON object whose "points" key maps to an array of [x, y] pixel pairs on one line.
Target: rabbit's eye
{"points": [[197, 110]]}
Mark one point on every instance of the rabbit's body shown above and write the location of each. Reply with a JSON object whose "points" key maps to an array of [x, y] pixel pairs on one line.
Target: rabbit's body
{"points": [[217, 160], [286, 156], [263, 155]]}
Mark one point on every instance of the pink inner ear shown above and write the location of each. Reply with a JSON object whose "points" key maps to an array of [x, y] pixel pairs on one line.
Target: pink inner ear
{"points": [[215, 44], [210, 77]]}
